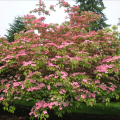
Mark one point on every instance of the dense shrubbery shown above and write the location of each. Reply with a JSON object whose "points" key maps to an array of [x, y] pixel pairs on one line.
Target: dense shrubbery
{"points": [[66, 66]]}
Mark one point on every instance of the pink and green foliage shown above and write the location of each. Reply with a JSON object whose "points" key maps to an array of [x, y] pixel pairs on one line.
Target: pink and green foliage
{"points": [[65, 66]]}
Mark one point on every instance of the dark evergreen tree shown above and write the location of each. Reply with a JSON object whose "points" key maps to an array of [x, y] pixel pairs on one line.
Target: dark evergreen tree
{"points": [[93, 6], [17, 26]]}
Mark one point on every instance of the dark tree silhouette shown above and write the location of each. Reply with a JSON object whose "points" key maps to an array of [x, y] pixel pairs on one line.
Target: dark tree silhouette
{"points": [[93, 6], [17, 26]]}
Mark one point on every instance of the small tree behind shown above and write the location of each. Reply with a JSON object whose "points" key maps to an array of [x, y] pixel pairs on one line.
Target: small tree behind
{"points": [[17, 26]]}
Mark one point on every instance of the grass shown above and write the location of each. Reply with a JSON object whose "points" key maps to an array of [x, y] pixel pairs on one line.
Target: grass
{"points": [[113, 108]]}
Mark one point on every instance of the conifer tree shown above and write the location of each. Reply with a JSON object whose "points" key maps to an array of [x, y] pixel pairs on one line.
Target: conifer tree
{"points": [[17, 26], [93, 6]]}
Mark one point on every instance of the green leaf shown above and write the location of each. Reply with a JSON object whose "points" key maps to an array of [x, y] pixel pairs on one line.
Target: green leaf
{"points": [[117, 72], [117, 96], [106, 75]]}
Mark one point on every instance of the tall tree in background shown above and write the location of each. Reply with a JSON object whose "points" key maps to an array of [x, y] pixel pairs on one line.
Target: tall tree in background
{"points": [[15, 28], [95, 6]]}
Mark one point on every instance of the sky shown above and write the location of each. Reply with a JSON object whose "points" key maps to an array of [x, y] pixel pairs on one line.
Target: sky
{"points": [[9, 9]]}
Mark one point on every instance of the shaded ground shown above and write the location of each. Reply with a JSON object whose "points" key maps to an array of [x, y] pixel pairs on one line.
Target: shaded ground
{"points": [[22, 113]]}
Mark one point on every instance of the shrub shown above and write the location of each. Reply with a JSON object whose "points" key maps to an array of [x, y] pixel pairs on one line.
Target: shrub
{"points": [[65, 67]]}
